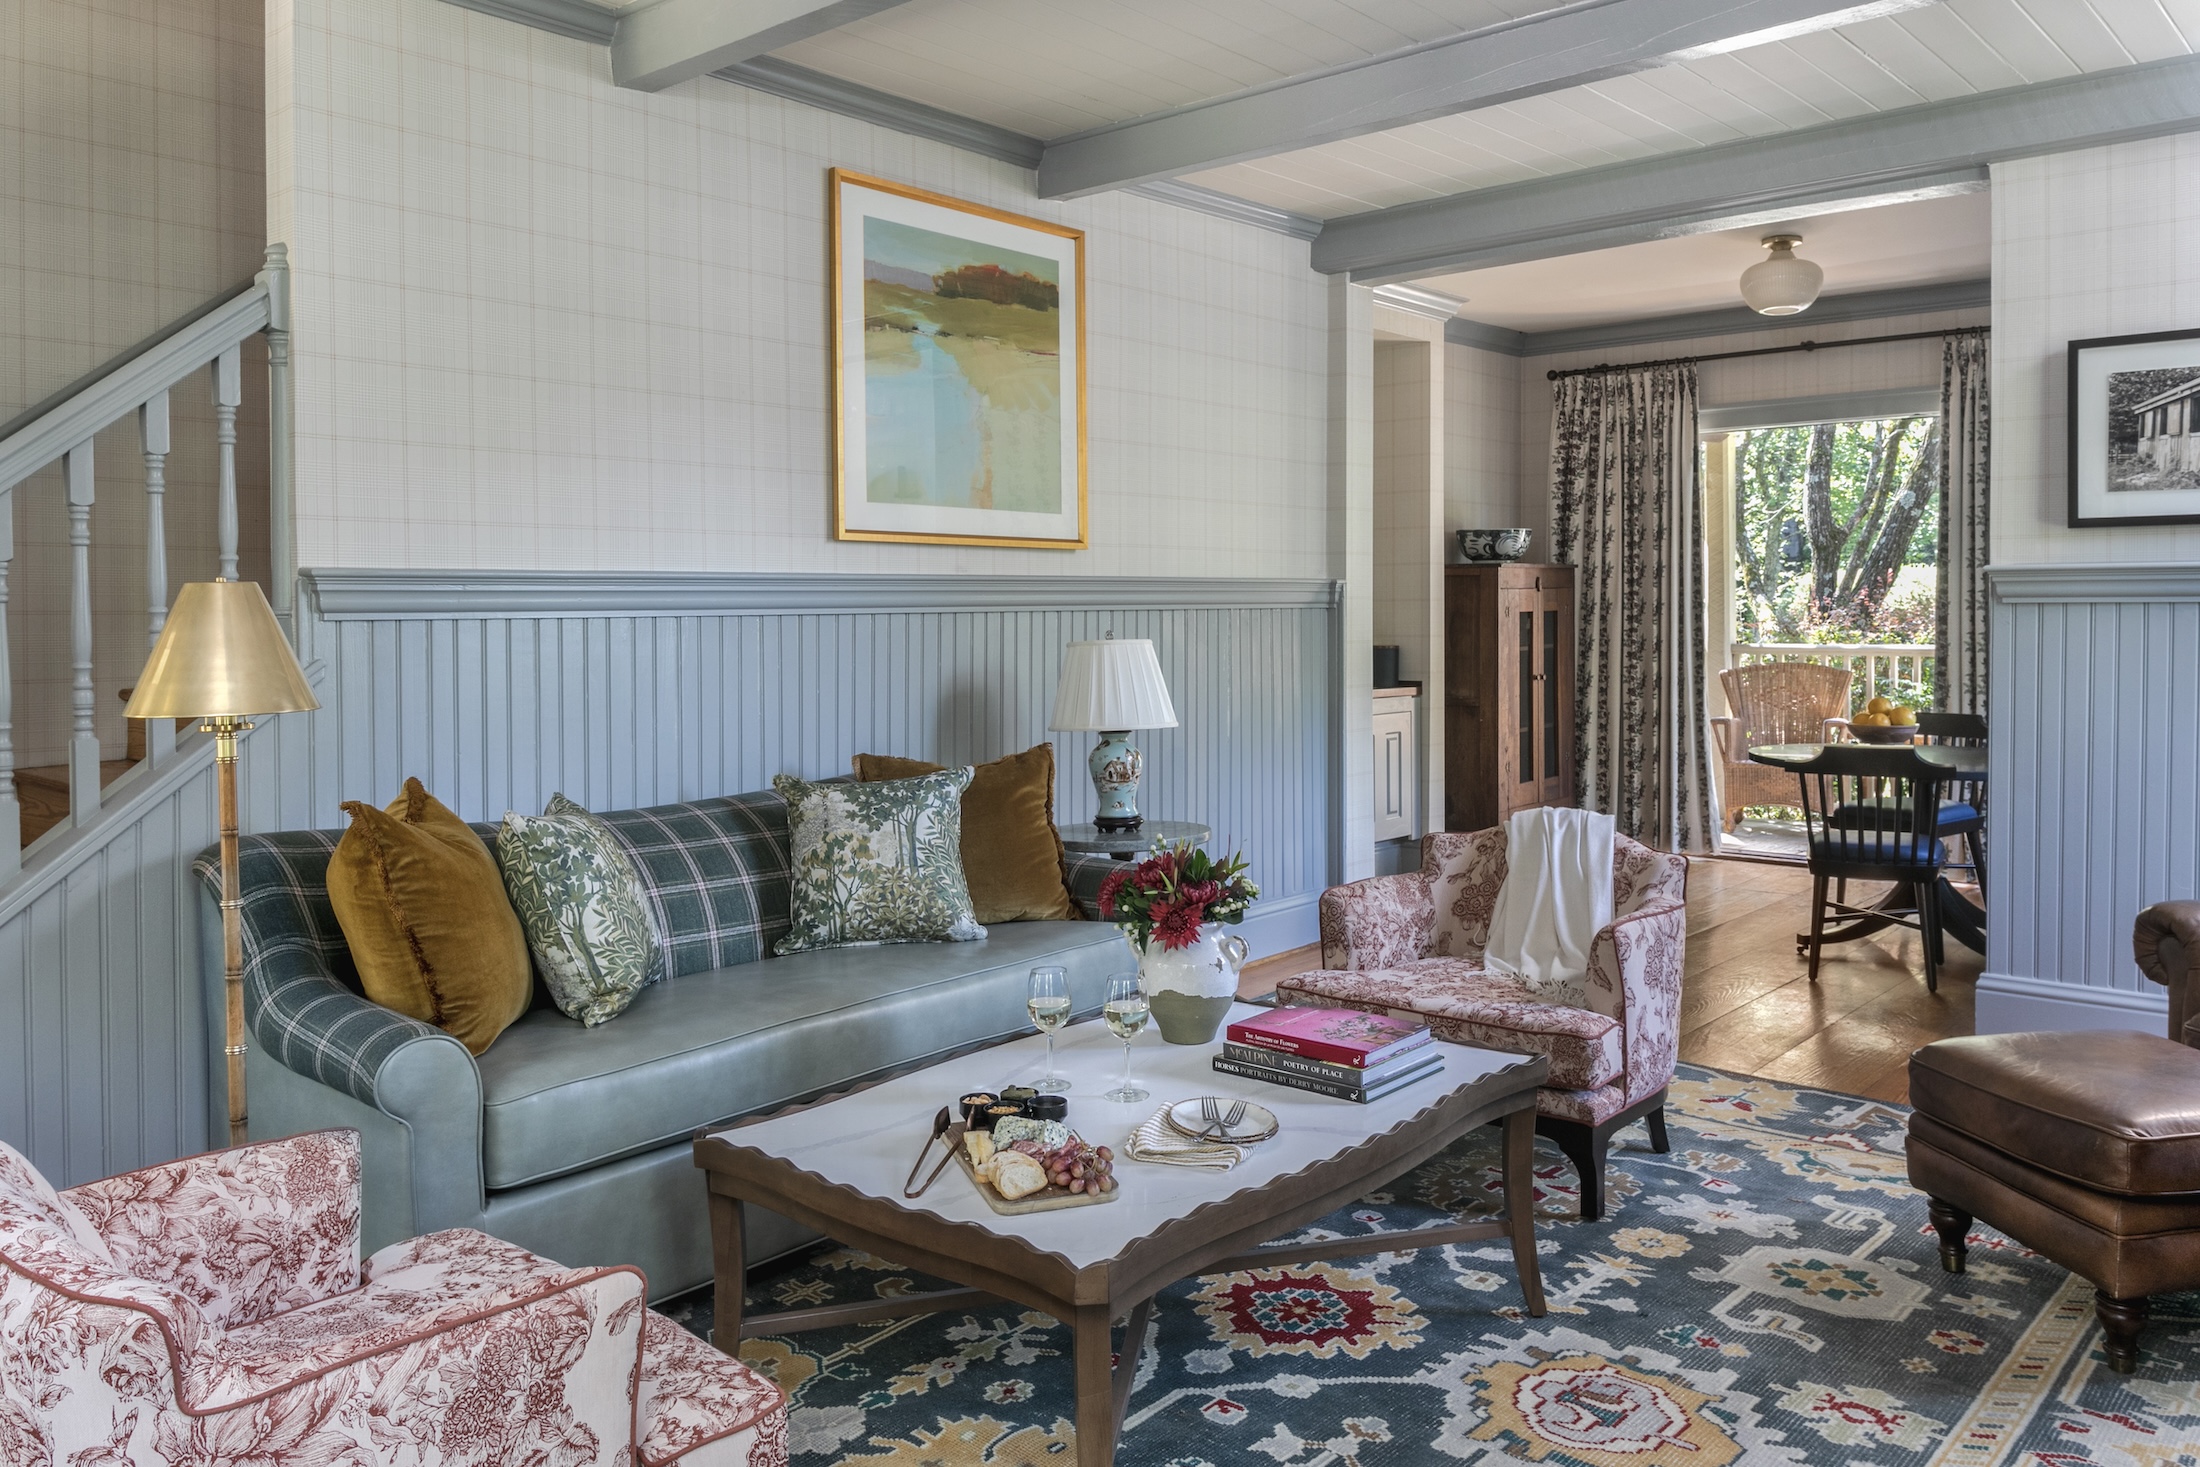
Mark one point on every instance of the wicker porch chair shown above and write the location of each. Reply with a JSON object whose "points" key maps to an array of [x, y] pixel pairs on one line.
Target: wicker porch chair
{"points": [[1774, 703]]}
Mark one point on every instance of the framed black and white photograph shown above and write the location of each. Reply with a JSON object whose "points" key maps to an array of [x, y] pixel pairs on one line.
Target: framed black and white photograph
{"points": [[2135, 430]]}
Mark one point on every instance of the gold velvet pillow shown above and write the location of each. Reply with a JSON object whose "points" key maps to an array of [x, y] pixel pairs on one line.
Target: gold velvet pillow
{"points": [[423, 906], [1012, 857]]}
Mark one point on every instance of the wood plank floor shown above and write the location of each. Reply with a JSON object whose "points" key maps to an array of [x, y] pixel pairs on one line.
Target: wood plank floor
{"points": [[1747, 1004]]}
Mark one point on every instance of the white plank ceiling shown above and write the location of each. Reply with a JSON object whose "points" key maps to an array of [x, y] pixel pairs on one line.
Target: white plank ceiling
{"points": [[1048, 68], [1921, 242], [1053, 67]]}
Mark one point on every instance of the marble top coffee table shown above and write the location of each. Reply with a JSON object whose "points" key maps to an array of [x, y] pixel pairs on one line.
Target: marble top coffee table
{"points": [[838, 1166]]}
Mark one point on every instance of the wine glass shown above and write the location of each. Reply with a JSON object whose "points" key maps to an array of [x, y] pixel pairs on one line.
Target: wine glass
{"points": [[1048, 1004], [1126, 1013]]}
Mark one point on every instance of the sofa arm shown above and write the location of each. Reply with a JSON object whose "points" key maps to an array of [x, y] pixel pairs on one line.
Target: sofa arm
{"points": [[1381, 922], [303, 1017], [2165, 941], [1635, 968], [244, 1233]]}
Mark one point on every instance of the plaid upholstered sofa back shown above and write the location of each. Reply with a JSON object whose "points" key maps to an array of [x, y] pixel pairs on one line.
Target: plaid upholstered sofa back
{"points": [[716, 872]]}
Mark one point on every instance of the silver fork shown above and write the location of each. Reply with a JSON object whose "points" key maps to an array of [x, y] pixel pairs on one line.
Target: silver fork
{"points": [[1218, 1121]]}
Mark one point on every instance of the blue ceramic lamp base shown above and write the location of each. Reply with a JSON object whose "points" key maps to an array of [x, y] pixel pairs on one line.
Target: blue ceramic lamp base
{"points": [[1115, 767]]}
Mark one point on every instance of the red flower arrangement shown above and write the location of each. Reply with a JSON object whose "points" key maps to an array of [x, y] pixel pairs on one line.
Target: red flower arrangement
{"points": [[1172, 893]]}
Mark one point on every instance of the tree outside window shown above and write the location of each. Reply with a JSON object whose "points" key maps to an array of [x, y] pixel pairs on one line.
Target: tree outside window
{"points": [[1835, 532]]}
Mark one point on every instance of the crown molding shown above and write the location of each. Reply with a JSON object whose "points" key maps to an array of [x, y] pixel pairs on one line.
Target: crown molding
{"points": [[1862, 305], [867, 104], [347, 594], [1418, 300], [1228, 206], [578, 20]]}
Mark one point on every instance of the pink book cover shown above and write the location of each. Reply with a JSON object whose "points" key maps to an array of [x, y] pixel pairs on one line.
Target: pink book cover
{"points": [[1341, 1036]]}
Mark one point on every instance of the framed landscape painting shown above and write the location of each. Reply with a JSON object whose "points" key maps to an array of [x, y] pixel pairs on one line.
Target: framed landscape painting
{"points": [[958, 371], [2135, 430]]}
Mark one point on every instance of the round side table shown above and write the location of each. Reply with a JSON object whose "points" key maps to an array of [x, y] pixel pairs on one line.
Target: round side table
{"points": [[1122, 845]]}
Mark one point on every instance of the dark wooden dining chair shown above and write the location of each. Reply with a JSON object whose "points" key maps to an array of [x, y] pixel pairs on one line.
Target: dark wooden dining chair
{"points": [[1871, 813], [1962, 801]]}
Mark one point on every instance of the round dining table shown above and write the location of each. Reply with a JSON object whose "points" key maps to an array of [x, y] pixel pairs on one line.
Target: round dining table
{"points": [[1960, 917]]}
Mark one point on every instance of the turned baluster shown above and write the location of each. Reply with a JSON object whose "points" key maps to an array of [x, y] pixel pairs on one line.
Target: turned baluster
{"points": [[228, 393], [84, 737], [160, 733]]}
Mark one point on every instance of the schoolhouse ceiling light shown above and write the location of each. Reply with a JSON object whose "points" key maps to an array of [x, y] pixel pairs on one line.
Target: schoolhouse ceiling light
{"points": [[1781, 284]]}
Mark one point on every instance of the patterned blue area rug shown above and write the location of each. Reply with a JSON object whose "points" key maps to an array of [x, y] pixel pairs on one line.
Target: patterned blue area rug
{"points": [[1768, 1293]]}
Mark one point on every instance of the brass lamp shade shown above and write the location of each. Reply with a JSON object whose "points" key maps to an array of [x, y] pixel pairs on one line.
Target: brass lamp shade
{"points": [[221, 654]]}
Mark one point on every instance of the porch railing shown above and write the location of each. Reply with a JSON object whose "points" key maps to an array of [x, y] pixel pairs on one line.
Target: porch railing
{"points": [[62, 429], [1896, 670]]}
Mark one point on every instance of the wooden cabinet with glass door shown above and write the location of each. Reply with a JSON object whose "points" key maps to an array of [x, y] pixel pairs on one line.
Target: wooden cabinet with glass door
{"points": [[1508, 691]]}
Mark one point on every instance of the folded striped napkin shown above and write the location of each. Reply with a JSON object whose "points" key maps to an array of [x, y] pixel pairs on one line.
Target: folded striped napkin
{"points": [[1157, 1141]]}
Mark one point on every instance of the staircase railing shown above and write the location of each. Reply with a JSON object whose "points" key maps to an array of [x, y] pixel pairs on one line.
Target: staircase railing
{"points": [[61, 429]]}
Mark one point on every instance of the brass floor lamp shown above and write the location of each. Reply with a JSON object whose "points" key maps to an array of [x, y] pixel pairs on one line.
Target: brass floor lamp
{"points": [[222, 658]]}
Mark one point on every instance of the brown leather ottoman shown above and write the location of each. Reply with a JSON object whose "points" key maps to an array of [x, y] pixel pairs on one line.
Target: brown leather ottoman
{"points": [[2084, 1147]]}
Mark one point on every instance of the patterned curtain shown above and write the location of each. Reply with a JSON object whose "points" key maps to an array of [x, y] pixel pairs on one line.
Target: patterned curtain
{"points": [[1629, 517], [1959, 675]]}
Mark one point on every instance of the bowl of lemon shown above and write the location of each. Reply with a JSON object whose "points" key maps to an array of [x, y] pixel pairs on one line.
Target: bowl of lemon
{"points": [[1885, 721]]}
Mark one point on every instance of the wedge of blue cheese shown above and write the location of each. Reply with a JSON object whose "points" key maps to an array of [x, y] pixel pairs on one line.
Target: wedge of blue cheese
{"points": [[1051, 1135]]}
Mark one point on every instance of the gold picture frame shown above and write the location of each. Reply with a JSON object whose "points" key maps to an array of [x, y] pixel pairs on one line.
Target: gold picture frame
{"points": [[958, 371]]}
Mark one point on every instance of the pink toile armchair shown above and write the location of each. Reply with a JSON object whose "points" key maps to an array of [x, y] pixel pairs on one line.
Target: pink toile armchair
{"points": [[215, 1310], [1412, 946]]}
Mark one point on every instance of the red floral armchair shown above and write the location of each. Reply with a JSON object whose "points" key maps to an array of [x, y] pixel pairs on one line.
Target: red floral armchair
{"points": [[214, 1310], [1412, 946]]}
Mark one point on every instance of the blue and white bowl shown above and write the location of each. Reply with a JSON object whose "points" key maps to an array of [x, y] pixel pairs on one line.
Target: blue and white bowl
{"points": [[1494, 544]]}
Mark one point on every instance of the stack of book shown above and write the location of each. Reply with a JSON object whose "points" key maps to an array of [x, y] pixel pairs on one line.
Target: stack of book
{"points": [[1340, 1052]]}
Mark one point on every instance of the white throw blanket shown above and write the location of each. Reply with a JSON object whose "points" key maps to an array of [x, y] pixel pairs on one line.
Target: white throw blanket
{"points": [[1556, 898]]}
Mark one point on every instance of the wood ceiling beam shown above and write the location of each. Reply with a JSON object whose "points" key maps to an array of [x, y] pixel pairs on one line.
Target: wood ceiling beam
{"points": [[1913, 152], [1566, 47], [661, 44]]}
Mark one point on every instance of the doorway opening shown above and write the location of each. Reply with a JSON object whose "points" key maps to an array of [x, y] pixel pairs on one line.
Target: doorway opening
{"points": [[1829, 560]]}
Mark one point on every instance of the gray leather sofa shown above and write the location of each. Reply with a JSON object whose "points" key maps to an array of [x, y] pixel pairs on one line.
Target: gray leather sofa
{"points": [[573, 1142]]}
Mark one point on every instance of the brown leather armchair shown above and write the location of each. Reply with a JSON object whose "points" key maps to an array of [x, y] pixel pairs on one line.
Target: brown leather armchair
{"points": [[2084, 1147]]}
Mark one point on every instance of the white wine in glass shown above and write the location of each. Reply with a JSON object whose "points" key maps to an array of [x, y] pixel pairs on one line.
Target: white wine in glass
{"points": [[1126, 1012], [1047, 1001]]}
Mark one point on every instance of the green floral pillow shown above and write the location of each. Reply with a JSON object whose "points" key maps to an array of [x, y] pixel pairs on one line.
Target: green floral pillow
{"points": [[581, 902], [877, 862]]}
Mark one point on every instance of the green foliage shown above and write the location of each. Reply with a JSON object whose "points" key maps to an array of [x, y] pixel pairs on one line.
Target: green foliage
{"points": [[1829, 518]]}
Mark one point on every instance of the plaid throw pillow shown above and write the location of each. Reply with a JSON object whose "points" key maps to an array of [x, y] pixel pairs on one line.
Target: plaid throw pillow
{"points": [[878, 862]]}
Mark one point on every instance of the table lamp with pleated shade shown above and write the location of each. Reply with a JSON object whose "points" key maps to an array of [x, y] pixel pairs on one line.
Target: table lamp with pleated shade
{"points": [[222, 658], [1111, 687]]}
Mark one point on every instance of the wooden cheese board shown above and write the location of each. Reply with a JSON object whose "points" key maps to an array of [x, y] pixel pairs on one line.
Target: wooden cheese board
{"points": [[1048, 1200]]}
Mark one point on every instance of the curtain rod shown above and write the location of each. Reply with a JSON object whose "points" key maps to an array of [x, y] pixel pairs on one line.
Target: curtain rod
{"points": [[1764, 351]]}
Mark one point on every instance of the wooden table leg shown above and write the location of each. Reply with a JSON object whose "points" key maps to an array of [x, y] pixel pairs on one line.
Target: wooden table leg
{"points": [[1520, 1204], [729, 1272], [1095, 1387]]}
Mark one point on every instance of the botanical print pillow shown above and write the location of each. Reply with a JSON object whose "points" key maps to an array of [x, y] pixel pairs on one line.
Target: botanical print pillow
{"points": [[581, 902], [877, 862]]}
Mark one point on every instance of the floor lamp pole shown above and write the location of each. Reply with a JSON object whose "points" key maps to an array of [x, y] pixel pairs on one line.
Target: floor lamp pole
{"points": [[225, 731]]}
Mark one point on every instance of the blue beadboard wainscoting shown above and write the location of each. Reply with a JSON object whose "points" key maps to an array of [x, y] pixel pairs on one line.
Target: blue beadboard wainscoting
{"points": [[498, 688], [2094, 713]]}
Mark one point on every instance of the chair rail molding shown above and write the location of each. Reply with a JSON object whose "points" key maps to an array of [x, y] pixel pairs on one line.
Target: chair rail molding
{"points": [[2094, 771], [380, 595]]}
